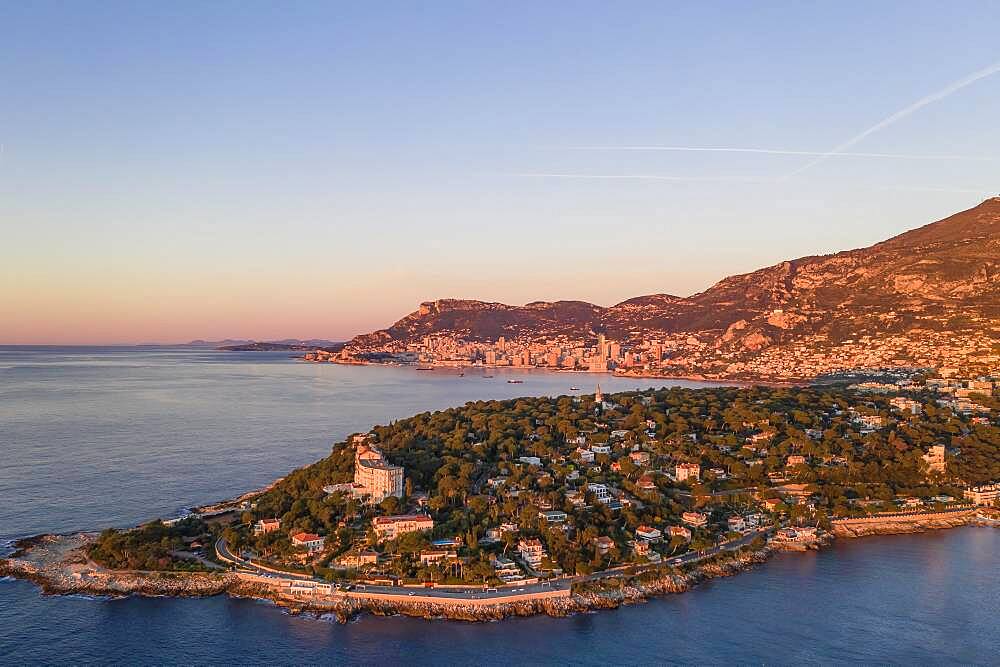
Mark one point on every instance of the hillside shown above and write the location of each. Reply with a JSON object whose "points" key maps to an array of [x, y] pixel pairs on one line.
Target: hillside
{"points": [[943, 277]]}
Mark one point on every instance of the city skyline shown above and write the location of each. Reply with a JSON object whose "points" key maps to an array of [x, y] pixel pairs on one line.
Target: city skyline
{"points": [[170, 174]]}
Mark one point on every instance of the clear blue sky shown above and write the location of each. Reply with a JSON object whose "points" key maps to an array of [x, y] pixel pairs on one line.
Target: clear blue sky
{"points": [[180, 170]]}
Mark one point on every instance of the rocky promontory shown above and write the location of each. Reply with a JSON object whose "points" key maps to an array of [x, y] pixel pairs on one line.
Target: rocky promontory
{"points": [[60, 566]]}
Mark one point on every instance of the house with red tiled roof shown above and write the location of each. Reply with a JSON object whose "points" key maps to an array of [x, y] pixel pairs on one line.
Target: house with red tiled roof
{"points": [[310, 541], [647, 483]]}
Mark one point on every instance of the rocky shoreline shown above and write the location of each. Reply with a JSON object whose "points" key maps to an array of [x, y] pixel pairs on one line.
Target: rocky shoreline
{"points": [[617, 592], [59, 566]]}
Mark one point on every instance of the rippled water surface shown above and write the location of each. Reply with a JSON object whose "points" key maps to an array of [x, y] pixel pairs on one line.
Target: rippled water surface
{"points": [[97, 436]]}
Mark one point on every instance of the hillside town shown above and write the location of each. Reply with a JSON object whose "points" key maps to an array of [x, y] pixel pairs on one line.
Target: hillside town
{"points": [[688, 355], [925, 298]]}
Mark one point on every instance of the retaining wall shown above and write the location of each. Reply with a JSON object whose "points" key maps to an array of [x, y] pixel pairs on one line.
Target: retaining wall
{"points": [[281, 586], [901, 517]]}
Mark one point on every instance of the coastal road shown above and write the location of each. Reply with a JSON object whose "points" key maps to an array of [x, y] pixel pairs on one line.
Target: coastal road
{"points": [[222, 550], [447, 592], [685, 559], [708, 553], [187, 555], [464, 594]]}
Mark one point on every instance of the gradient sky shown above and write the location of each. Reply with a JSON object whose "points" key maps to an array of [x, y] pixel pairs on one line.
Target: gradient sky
{"points": [[173, 171]]}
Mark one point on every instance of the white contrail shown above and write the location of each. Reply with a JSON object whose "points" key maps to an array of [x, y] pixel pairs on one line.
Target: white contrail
{"points": [[645, 177], [902, 113], [777, 151]]}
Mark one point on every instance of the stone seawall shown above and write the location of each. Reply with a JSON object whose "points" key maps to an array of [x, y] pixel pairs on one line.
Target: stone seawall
{"points": [[611, 593], [895, 524], [280, 588], [464, 602]]}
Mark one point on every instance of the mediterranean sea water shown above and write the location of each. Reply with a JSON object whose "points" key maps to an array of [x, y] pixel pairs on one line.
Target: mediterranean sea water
{"points": [[91, 437]]}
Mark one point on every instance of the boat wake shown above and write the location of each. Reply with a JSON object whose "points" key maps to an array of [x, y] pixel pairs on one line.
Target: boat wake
{"points": [[90, 598], [7, 548]]}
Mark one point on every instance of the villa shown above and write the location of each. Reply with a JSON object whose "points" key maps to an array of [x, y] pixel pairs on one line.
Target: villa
{"points": [[695, 518], [265, 526], [391, 527], [309, 541], [648, 533]]}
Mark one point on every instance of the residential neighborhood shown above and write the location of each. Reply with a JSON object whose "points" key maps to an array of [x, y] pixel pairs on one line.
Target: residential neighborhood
{"points": [[535, 489]]}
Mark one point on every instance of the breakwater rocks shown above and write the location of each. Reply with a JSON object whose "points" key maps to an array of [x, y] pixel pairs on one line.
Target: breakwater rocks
{"points": [[901, 524]]}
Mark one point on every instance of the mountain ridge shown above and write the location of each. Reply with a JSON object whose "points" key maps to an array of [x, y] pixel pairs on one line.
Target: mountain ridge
{"points": [[943, 276]]}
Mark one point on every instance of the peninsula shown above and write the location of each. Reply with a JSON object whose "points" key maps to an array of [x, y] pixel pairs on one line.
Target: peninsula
{"points": [[561, 504]]}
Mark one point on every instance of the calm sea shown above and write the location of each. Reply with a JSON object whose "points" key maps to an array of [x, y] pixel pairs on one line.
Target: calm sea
{"points": [[113, 436]]}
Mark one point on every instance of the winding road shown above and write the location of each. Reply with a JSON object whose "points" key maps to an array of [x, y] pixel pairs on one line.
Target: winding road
{"points": [[445, 592]]}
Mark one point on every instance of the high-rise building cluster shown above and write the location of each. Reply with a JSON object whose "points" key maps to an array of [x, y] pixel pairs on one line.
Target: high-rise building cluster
{"points": [[559, 352]]}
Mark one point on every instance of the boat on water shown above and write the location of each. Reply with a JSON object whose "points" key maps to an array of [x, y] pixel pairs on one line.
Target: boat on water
{"points": [[487, 377], [425, 368], [515, 381], [574, 389]]}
